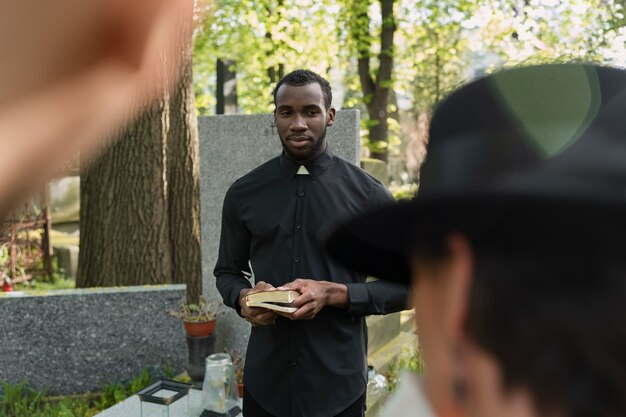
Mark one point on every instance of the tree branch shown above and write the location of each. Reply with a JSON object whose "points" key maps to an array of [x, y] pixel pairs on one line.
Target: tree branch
{"points": [[367, 82]]}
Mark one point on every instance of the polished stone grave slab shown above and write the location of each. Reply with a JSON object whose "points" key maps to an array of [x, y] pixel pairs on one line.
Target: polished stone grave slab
{"points": [[131, 407]]}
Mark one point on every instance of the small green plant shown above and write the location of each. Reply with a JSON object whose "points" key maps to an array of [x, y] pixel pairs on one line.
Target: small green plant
{"points": [[202, 311], [115, 393], [20, 400], [411, 360]]}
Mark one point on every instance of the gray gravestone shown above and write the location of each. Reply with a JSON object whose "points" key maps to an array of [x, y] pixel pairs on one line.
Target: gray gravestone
{"points": [[230, 147], [74, 341]]}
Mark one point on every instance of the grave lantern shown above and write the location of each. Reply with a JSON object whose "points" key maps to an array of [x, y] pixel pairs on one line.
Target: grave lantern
{"points": [[219, 390], [165, 398]]}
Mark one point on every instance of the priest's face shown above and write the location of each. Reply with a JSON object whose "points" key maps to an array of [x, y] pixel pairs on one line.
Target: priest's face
{"points": [[301, 119]]}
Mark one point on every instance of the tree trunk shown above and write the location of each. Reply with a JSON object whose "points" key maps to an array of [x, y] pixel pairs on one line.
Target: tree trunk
{"points": [[225, 88], [183, 181], [140, 214], [124, 219]]}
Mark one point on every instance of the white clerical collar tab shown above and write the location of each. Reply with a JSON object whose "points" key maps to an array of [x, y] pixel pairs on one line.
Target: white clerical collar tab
{"points": [[302, 171]]}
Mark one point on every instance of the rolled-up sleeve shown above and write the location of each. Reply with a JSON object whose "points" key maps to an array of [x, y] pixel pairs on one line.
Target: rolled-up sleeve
{"points": [[234, 254]]}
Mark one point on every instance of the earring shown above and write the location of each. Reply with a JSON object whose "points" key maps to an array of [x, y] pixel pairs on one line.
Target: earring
{"points": [[458, 383]]}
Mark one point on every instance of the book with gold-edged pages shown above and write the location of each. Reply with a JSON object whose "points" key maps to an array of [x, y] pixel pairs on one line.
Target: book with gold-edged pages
{"points": [[277, 300]]}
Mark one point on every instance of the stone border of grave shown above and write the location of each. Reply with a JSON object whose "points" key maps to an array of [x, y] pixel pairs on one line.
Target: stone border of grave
{"points": [[73, 341]]}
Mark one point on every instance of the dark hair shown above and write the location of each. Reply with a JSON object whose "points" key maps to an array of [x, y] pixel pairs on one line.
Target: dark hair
{"points": [[556, 325], [550, 308], [301, 77]]}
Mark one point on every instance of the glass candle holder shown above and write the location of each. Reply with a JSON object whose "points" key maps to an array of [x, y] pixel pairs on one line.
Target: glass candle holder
{"points": [[219, 389]]}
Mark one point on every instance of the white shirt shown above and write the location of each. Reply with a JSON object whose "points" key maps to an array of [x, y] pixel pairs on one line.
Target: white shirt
{"points": [[409, 400]]}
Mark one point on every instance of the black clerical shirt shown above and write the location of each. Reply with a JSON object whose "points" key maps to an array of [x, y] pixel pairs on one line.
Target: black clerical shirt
{"points": [[274, 220]]}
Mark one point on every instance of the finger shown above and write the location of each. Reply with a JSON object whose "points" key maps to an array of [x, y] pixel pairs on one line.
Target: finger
{"points": [[264, 286], [297, 284], [257, 313], [303, 312], [253, 312], [303, 299], [290, 285], [266, 315]]}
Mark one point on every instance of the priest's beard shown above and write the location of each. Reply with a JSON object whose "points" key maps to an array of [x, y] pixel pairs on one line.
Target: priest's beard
{"points": [[316, 150]]}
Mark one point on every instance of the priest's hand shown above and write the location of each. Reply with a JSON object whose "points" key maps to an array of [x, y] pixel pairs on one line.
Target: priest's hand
{"points": [[255, 315], [315, 295]]}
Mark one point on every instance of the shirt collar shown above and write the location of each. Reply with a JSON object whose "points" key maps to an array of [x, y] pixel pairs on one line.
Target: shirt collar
{"points": [[316, 167]]}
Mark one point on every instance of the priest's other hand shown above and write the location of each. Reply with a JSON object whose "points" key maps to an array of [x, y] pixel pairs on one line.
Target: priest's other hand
{"points": [[315, 295]]}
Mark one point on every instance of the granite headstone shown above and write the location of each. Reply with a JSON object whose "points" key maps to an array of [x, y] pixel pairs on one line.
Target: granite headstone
{"points": [[74, 341]]}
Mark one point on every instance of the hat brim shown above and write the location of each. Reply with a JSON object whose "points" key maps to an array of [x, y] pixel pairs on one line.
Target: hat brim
{"points": [[379, 243]]}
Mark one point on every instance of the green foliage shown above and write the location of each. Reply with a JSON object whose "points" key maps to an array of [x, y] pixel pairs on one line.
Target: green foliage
{"points": [[260, 36], [4, 258], [438, 46], [393, 136], [56, 282], [20, 400], [115, 393], [404, 191], [354, 20], [378, 146], [411, 360]]}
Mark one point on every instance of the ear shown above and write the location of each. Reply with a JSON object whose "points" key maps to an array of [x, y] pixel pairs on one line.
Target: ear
{"points": [[330, 117], [458, 291]]}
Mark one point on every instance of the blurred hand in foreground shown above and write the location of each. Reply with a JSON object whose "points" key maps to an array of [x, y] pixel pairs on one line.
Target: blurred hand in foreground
{"points": [[72, 71]]}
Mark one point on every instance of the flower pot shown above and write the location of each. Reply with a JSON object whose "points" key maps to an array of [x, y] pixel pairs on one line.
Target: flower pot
{"points": [[199, 328], [240, 388], [198, 348]]}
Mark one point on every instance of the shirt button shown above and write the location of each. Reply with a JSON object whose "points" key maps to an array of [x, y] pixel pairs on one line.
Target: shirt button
{"points": [[298, 226], [296, 259], [301, 193]]}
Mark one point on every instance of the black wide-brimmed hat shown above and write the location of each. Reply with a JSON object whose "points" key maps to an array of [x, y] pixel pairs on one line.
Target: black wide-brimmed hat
{"points": [[527, 156]]}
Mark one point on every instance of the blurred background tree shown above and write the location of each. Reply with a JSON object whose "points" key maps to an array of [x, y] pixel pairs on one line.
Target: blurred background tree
{"points": [[392, 59]]}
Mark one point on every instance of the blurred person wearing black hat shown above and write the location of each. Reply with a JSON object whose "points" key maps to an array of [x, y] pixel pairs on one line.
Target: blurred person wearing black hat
{"points": [[515, 247]]}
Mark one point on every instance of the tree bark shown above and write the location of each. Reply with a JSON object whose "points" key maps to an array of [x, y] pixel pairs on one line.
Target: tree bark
{"points": [[140, 209], [376, 89], [183, 182], [124, 221]]}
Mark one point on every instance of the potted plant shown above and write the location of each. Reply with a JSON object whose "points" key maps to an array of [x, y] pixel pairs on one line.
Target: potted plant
{"points": [[198, 319]]}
